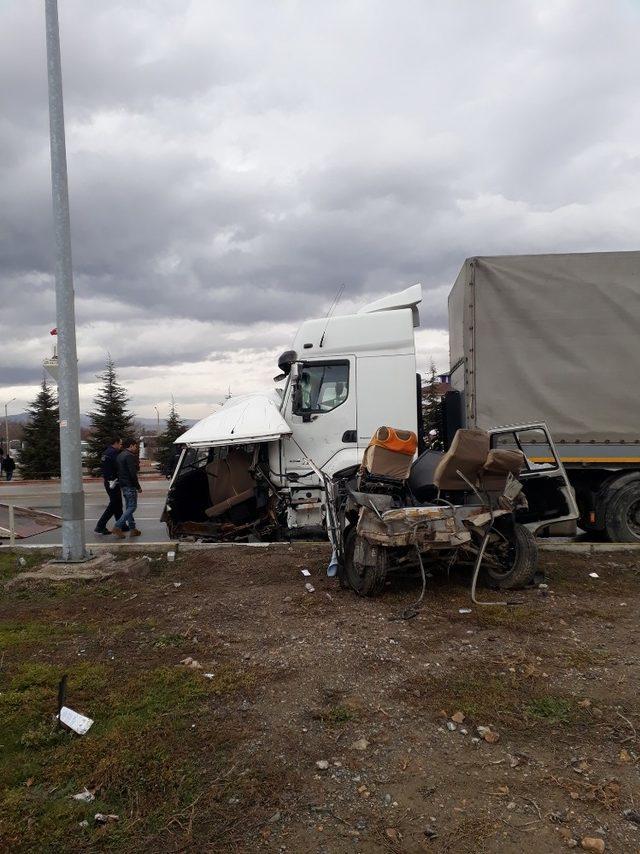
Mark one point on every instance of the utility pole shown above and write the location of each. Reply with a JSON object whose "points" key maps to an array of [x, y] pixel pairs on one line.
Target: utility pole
{"points": [[71, 494], [6, 423], [158, 415]]}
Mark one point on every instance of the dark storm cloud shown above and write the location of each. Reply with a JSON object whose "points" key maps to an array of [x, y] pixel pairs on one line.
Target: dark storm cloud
{"points": [[232, 164]]}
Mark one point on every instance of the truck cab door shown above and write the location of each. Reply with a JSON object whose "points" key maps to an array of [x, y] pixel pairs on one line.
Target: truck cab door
{"points": [[544, 480], [321, 411]]}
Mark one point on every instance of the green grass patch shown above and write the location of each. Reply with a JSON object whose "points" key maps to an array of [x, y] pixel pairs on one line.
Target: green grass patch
{"points": [[168, 641], [154, 744], [488, 696], [552, 709], [10, 563]]}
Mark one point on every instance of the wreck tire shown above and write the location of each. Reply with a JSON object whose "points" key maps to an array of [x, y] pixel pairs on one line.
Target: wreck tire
{"points": [[519, 560], [369, 582]]}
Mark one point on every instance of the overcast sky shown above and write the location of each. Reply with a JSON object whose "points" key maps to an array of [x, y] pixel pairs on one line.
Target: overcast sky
{"points": [[232, 163]]}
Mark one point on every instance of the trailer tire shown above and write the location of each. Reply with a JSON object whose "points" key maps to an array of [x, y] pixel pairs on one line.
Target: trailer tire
{"points": [[622, 516], [520, 561]]}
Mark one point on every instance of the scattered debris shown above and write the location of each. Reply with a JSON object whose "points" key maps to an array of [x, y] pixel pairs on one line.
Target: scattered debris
{"points": [[74, 721], [177, 584], [208, 675], [489, 735], [309, 587], [360, 744], [103, 818], [593, 575], [85, 796], [430, 832], [593, 844], [192, 663], [305, 572], [322, 764], [451, 726], [84, 823], [171, 556], [458, 717], [464, 610]]}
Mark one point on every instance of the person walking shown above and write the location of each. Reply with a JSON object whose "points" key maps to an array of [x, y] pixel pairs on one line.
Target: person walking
{"points": [[109, 471], [9, 466], [130, 486]]}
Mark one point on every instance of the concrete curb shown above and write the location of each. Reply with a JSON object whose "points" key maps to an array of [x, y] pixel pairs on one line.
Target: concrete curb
{"points": [[589, 548], [100, 548]]}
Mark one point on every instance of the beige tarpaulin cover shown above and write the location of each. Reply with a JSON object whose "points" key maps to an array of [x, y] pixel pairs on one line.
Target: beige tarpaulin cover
{"points": [[553, 338]]}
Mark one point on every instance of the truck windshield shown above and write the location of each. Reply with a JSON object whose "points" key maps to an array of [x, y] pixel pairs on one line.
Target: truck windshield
{"points": [[323, 387]]}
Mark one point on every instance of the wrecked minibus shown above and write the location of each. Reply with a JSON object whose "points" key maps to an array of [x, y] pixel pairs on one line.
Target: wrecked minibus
{"points": [[258, 469]]}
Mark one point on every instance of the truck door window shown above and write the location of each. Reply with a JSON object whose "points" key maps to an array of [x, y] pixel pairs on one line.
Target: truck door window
{"points": [[322, 387]]}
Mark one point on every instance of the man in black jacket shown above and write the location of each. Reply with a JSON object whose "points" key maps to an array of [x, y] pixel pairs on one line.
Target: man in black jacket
{"points": [[130, 486], [109, 471]]}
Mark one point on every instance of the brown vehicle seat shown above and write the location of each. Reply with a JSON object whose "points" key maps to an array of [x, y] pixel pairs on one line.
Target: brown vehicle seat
{"points": [[230, 482], [390, 453], [499, 464], [468, 454]]}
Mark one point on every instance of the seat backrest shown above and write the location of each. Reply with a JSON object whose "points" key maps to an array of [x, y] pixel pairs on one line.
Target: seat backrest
{"points": [[420, 478], [390, 453], [230, 476], [500, 463], [468, 453]]}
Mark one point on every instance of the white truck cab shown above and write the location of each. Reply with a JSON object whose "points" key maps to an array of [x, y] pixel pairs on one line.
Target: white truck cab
{"points": [[244, 471]]}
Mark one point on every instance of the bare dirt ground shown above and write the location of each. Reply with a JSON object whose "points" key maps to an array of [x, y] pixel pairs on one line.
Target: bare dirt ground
{"points": [[317, 722]]}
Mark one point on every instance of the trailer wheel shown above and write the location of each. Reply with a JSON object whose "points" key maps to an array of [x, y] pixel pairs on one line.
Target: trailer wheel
{"points": [[365, 580], [622, 518], [517, 559]]}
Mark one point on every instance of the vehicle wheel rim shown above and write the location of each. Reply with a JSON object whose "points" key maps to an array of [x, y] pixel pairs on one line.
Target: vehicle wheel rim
{"points": [[633, 518], [506, 556]]}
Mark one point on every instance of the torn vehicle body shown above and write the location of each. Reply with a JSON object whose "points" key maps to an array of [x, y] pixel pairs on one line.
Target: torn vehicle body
{"points": [[479, 503], [243, 472]]}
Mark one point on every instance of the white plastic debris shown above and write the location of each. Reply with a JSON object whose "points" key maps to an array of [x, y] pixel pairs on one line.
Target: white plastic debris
{"points": [[177, 584], [309, 587], [171, 556], [75, 721], [208, 675], [103, 818], [305, 572], [464, 610], [22, 561], [85, 796], [593, 575]]}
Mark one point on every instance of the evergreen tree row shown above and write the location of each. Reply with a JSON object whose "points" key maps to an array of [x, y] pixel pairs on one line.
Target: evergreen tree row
{"points": [[110, 419]]}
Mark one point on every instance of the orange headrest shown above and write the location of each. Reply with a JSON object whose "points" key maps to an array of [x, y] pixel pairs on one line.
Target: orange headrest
{"points": [[403, 441]]}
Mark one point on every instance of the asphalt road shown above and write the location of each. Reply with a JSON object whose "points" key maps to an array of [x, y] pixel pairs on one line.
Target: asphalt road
{"points": [[46, 497]]}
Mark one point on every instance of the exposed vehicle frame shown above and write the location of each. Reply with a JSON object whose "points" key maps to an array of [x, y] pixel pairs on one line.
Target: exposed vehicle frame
{"points": [[379, 526]]}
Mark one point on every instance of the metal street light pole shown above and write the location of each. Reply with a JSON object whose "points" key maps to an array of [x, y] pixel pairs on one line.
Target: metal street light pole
{"points": [[6, 423], [71, 494], [158, 415]]}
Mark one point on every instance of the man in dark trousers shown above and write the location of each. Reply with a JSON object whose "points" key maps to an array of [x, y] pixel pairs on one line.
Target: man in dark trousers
{"points": [[8, 464], [109, 470], [130, 486]]}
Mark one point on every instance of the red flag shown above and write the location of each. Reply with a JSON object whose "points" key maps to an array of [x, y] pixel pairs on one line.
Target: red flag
{"points": [[54, 331]]}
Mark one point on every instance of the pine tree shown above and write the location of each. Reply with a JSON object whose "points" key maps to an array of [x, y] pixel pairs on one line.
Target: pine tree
{"points": [[165, 453], [40, 455], [110, 418], [432, 410]]}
